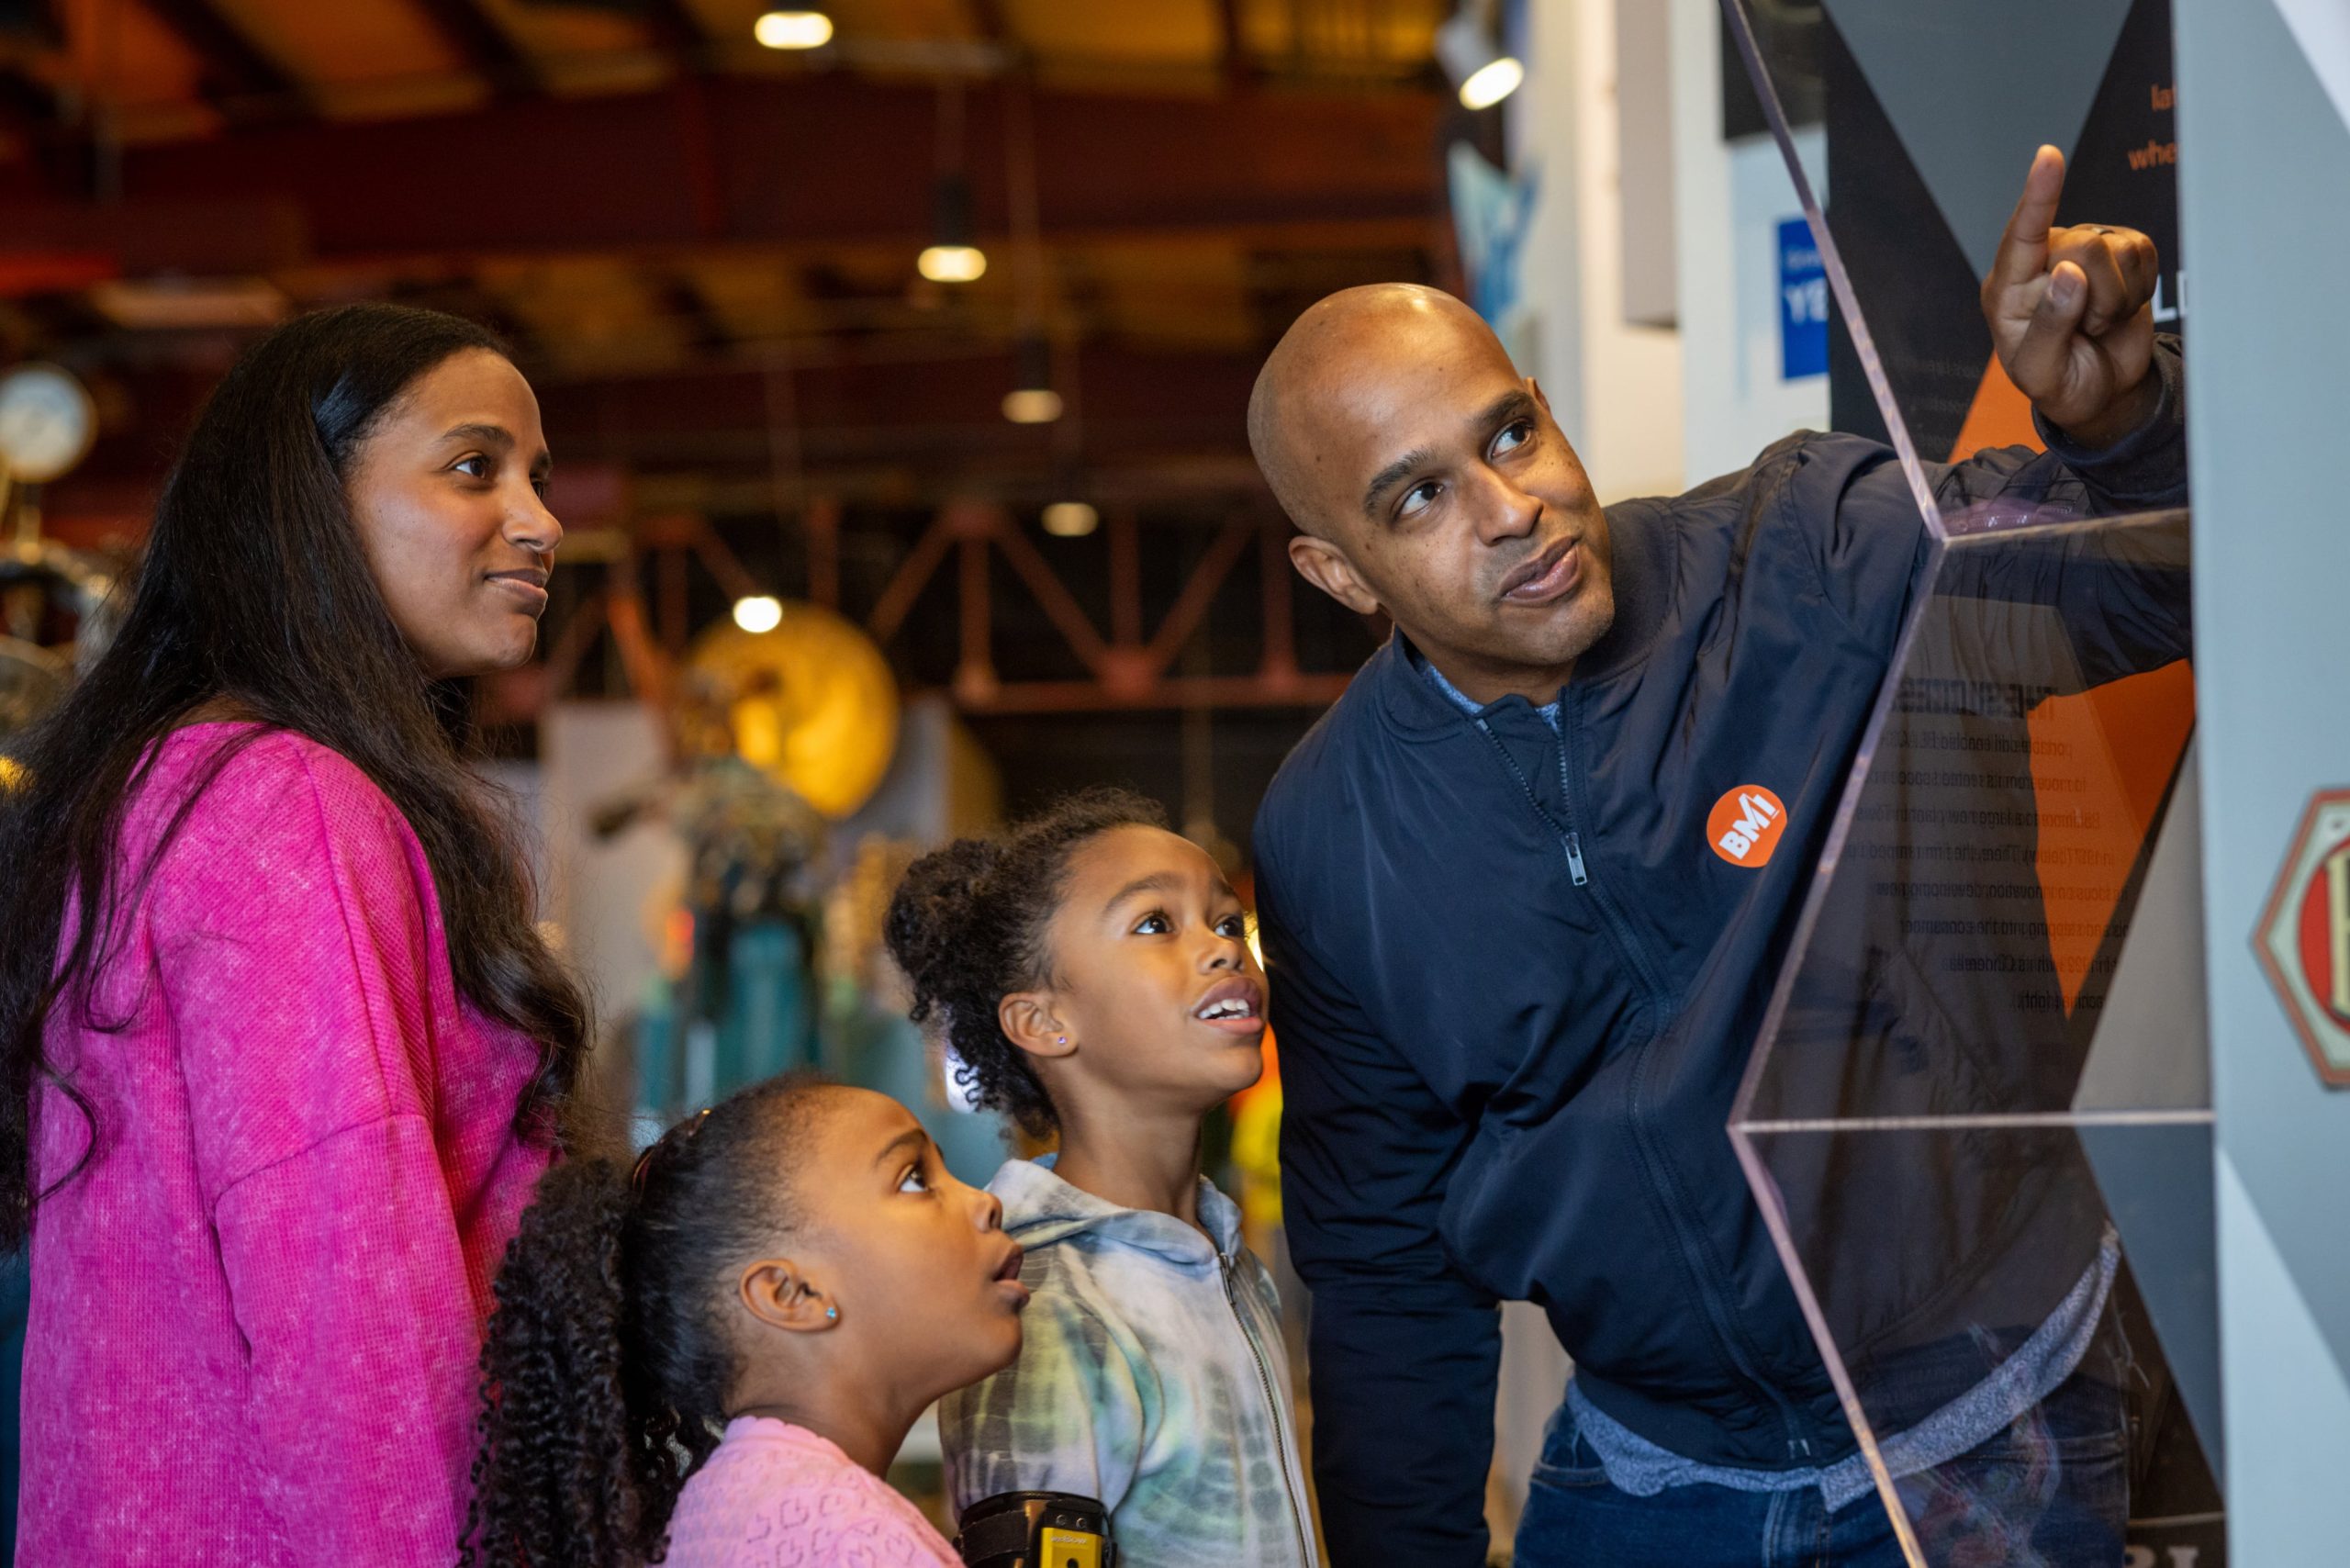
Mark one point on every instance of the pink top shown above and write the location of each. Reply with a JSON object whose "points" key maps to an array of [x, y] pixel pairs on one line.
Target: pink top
{"points": [[256, 1312], [777, 1495]]}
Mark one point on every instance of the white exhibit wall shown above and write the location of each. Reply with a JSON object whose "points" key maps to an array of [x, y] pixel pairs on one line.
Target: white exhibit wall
{"points": [[606, 893], [1730, 199], [1614, 387], [2264, 120]]}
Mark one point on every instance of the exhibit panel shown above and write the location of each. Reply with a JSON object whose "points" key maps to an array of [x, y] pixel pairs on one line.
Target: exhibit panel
{"points": [[1930, 112], [1979, 1117]]}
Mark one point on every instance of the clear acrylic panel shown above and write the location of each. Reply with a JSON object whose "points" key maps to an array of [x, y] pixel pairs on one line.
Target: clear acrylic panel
{"points": [[1978, 1116], [1908, 126]]}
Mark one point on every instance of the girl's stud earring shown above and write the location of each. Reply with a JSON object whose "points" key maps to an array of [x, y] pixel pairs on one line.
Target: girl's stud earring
{"points": [[832, 1315], [1064, 1040]]}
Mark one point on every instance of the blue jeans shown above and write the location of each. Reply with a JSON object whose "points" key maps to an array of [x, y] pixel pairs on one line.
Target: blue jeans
{"points": [[2052, 1491]]}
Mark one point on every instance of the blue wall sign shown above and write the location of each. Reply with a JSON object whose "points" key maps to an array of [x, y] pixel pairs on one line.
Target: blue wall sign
{"points": [[1803, 303]]}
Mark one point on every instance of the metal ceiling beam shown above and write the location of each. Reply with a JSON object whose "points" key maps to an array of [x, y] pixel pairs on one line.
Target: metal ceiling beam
{"points": [[814, 159], [488, 50], [26, 103], [1238, 69], [677, 32], [1156, 426], [239, 78], [58, 152], [989, 22], [942, 414]]}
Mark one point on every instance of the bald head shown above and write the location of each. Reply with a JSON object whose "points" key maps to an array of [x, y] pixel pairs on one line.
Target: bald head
{"points": [[1431, 483], [1336, 375]]}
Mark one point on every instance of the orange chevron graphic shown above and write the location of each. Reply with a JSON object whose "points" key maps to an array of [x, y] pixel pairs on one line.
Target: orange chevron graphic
{"points": [[2111, 750]]}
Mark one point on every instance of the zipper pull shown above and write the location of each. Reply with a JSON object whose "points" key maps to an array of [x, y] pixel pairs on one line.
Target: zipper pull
{"points": [[1574, 860]]}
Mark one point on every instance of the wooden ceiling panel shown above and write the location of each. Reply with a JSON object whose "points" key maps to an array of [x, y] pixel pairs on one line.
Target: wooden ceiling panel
{"points": [[1186, 292], [561, 33], [756, 299], [589, 313], [374, 59], [1381, 37], [896, 22], [125, 55], [671, 206], [1162, 33], [348, 41]]}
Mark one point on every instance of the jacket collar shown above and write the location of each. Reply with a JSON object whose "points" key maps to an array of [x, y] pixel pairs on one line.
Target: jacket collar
{"points": [[1040, 1208], [1642, 560]]}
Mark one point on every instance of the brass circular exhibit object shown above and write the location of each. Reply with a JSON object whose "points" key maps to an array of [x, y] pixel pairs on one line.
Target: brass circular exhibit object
{"points": [[810, 702]]}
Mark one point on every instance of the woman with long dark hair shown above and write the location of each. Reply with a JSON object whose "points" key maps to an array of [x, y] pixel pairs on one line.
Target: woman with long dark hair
{"points": [[282, 1053]]}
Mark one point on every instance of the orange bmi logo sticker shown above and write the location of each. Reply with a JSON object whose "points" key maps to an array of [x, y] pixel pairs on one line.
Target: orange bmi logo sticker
{"points": [[1745, 825]]}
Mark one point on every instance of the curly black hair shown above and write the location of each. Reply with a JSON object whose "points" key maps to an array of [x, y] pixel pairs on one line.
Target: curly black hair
{"points": [[967, 927], [608, 1366]]}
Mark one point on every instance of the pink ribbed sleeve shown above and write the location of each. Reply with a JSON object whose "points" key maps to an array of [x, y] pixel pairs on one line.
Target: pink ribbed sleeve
{"points": [[256, 1312], [777, 1495]]}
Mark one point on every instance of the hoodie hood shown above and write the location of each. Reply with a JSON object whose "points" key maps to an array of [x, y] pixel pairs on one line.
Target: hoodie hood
{"points": [[1040, 1209]]}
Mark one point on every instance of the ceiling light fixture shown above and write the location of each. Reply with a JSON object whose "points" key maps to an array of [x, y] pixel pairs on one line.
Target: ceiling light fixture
{"points": [[1071, 520], [1490, 84], [1484, 72], [1032, 401], [952, 257], [796, 28], [952, 264]]}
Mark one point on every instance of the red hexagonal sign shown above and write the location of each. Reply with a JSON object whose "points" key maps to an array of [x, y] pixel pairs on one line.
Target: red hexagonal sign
{"points": [[2304, 937]]}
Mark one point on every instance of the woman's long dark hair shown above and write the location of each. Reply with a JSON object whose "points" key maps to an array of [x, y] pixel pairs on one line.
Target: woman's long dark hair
{"points": [[254, 591], [608, 1366]]}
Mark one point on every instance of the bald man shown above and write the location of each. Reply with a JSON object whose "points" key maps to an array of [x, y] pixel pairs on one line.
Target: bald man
{"points": [[1515, 986]]}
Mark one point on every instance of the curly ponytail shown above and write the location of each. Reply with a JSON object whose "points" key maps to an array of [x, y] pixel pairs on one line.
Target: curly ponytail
{"points": [[607, 1364], [967, 927]]}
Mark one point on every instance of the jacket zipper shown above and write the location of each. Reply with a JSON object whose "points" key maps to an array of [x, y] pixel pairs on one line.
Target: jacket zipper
{"points": [[1273, 1406], [1652, 984]]}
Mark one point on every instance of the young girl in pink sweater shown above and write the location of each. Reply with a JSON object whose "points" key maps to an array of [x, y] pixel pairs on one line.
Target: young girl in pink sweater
{"points": [[774, 1294], [281, 1050]]}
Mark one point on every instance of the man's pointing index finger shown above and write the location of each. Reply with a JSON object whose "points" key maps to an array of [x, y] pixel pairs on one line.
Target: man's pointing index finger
{"points": [[2023, 249]]}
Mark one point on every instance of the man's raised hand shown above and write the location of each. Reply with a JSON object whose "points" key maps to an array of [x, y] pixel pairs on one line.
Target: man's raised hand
{"points": [[2071, 314]]}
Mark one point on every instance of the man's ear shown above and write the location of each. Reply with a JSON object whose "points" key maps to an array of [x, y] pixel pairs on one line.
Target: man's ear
{"points": [[1326, 565], [1540, 396], [779, 1294], [1028, 1021]]}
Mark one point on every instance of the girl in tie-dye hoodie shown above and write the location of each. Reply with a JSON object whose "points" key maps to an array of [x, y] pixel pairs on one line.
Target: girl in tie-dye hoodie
{"points": [[1092, 974]]}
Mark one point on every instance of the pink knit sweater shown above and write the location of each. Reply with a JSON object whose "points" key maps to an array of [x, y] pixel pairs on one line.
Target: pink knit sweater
{"points": [[256, 1312], [777, 1495]]}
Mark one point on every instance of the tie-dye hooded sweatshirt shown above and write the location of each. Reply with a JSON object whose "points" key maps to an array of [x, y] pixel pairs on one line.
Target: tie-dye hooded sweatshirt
{"points": [[1151, 1377]]}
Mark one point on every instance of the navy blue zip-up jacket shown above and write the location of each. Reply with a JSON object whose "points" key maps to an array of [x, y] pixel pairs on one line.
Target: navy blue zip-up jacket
{"points": [[1515, 990]]}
